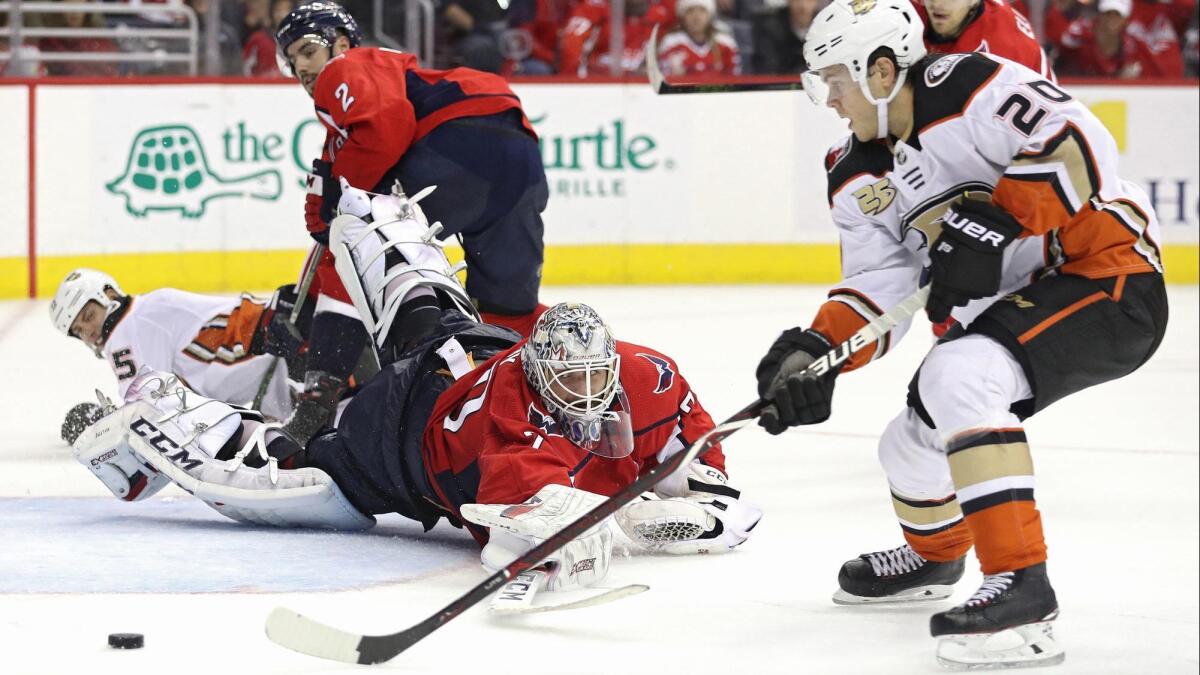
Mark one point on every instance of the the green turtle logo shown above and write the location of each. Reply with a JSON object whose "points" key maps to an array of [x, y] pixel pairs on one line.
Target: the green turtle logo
{"points": [[168, 170]]}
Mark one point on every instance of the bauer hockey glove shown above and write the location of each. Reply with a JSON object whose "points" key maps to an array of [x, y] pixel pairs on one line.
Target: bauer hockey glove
{"points": [[966, 259], [796, 397], [321, 201], [516, 528]]}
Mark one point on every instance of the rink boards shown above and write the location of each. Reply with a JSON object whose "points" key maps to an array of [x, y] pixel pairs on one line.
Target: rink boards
{"points": [[200, 185]]}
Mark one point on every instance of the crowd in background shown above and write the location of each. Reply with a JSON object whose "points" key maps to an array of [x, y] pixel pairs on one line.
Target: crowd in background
{"points": [[570, 38]]}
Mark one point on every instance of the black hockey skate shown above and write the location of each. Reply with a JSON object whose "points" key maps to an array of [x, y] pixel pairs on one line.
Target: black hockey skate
{"points": [[1006, 624], [898, 575]]}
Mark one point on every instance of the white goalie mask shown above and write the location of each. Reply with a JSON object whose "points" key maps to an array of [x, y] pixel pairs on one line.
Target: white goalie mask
{"points": [[846, 33], [79, 287], [571, 361]]}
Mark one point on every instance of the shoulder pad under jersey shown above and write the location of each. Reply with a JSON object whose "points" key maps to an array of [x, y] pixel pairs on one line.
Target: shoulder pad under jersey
{"points": [[854, 158], [944, 85]]}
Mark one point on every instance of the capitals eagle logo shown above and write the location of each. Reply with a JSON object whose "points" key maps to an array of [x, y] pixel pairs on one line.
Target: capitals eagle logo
{"points": [[666, 375], [541, 420]]}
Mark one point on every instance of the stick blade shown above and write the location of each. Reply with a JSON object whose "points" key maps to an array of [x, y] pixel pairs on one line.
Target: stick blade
{"points": [[657, 82], [590, 600], [299, 633]]}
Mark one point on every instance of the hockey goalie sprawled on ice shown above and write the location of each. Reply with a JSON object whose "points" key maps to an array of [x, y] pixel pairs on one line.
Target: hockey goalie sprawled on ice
{"points": [[447, 428]]}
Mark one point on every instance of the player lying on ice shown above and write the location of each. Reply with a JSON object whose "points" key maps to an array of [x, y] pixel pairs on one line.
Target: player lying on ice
{"points": [[1006, 187], [221, 346], [512, 438]]}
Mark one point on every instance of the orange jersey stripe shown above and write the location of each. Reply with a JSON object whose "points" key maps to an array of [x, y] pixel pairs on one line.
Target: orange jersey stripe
{"points": [[837, 322]]}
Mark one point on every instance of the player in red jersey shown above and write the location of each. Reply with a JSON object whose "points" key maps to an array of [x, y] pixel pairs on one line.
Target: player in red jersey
{"points": [[991, 26], [388, 120], [584, 44]]}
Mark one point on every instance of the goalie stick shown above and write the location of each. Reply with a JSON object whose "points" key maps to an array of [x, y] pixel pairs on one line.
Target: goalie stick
{"points": [[517, 596], [302, 634], [661, 86], [301, 296]]}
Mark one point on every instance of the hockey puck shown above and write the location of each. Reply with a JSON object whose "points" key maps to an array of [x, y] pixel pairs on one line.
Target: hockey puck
{"points": [[126, 640]]}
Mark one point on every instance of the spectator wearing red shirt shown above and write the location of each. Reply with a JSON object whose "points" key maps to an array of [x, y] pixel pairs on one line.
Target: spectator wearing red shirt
{"points": [[258, 49], [530, 45], [584, 48], [696, 46], [992, 26], [1124, 40]]}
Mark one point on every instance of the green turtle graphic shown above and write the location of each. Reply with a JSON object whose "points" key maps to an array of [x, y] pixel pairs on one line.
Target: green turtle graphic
{"points": [[168, 170]]}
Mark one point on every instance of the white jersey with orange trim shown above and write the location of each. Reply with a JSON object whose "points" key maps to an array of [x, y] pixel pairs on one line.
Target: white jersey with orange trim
{"points": [[983, 126], [203, 340]]}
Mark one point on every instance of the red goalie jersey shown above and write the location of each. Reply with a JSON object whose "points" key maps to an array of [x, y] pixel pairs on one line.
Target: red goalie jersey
{"points": [[491, 440]]}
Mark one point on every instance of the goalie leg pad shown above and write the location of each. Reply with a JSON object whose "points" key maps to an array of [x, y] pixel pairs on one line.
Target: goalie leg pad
{"points": [[180, 435], [391, 258], [104, 449]]}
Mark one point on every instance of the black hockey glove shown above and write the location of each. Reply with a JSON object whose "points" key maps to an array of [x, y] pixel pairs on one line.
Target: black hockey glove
{"points": [[321, 203], [796, 398], [965, 260], [317, 406], [275, 334]]}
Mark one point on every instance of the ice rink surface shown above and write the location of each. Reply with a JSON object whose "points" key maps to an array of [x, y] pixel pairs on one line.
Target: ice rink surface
{"points": [[1117, 488]]}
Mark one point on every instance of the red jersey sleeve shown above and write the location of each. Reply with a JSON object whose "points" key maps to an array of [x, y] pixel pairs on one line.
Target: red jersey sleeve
{"points": [[369, 119], [667, 415]]}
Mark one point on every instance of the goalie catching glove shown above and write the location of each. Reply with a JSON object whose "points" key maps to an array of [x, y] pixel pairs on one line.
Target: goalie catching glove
{"points": [[516, 528], [697, 512]]}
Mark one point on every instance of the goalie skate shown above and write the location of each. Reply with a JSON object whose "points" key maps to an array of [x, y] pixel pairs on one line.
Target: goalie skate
{"points": [[896, 575]]}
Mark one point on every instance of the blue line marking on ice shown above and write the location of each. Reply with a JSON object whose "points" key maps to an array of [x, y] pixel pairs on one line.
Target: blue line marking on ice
{"points": [[180, 545]]}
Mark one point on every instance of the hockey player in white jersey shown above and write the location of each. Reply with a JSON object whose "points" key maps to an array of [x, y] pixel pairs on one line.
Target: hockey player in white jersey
{"points": [[1001, 189], [217, 344]]}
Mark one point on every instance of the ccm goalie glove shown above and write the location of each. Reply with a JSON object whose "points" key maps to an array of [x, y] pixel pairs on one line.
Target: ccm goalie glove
{"points": [[698, 513], [796, 398], [516, 528], [965, 260]]}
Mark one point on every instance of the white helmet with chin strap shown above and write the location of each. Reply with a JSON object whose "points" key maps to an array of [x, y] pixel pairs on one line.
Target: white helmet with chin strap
{"points": [[76, 290], [848, 32]]}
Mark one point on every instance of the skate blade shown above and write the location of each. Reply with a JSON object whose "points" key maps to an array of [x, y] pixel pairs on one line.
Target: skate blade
{"points": [[1029, 646], [918, 594]]}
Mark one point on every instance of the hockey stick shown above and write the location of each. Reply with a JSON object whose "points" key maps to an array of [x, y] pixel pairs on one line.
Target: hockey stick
{"points": [[301, 296], [661, 86], [302, 634], [518, 595]]}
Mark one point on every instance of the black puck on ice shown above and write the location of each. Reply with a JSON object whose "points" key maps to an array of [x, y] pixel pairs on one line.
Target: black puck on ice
{"points": [[126, 640]]}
